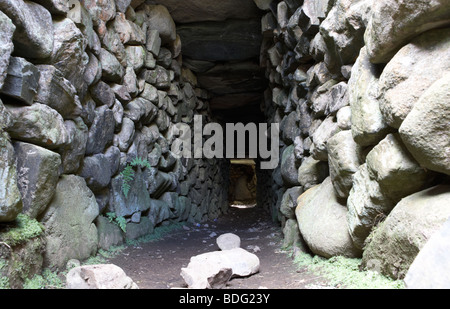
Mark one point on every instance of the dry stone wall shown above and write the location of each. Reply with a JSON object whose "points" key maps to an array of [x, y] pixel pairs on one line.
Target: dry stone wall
{"points": [[360, 90], [87, 87]]}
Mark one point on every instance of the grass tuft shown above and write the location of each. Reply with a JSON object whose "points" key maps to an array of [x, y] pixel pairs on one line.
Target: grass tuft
{"points": [[21, 230], [345, 272]]}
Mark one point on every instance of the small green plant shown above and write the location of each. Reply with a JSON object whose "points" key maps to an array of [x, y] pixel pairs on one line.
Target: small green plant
{"points": [[103, 255], [48, 280], [128, 176], [119, 220], [128, 173], [4, 281], [23, 229]]}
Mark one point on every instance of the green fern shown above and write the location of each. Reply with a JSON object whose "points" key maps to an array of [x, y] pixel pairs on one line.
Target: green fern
{"points": [[140, 162], [111, 216], [128, 176], [128, 173], [122, 223], [119, 220]]}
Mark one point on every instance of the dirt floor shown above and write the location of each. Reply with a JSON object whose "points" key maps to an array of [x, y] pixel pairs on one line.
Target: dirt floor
{"points": [[157, 264]]}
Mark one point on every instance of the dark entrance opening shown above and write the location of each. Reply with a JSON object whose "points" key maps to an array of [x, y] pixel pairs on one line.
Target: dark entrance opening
{"points": [[242, 189]]}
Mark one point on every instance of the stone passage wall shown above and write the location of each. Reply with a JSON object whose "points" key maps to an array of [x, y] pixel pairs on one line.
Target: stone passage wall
{"points": [[84, 92], [361, 91]]}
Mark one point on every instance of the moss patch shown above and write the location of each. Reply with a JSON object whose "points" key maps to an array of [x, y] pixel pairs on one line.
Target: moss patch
{"points": [[21, 230], [4, 280], [345, 272], [21, 249]]}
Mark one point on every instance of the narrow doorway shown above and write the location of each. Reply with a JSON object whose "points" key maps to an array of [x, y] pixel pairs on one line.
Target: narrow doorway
{"points": [[242, 190]]}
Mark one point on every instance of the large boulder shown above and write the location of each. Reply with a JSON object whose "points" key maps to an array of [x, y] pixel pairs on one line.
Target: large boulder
{"points": [[153, 44], [329, 98], [178, 205], [22, 80], [128, 31], [136, 56], [394, 23], [73, 153], [289, 201], [410, 72], [368, 124], [292, 237], [5, 117], [137, 199], [322, 220], [136, 230], [6, 44], [10, 197], [38, 124], [159, 211], [214, 269], [312, 172], [320, 138], [425, 131], [314, 11], [109, 233], [101, 11], [70, 231], [33, 37], [289, 170], [343, 31], [366, 205], [158, 18], [101, 132], [344, 158], [57, 7], [38, 172], [289, 128], [102, 94], [102, 276], [395, 170], [124, 138], [431, 268], [84, 20], [112, 70], [389, 174], [57, 92], [159, 77], [111, 42], [68, 54], [93, 71], [395, 243], [159, 182], [96, 170]]}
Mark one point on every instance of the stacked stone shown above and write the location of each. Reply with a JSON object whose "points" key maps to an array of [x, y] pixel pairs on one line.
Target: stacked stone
{"points": [[360, 90], [85, 90]]}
